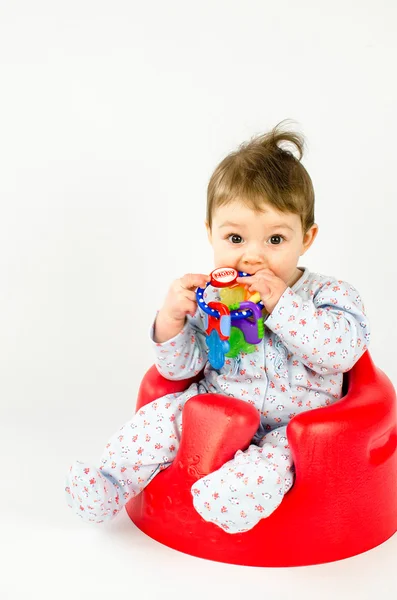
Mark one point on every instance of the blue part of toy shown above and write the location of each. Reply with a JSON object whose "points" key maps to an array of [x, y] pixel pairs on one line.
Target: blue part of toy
{"points": [[217, 349], [225, 325]]}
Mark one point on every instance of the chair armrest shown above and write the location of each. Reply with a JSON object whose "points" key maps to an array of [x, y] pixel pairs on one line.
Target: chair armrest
{"points": [[358, 429], [214, 428], [155, 386]]}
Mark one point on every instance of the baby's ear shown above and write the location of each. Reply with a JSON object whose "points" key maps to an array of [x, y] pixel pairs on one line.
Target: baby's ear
{"points": [[309, 237]]}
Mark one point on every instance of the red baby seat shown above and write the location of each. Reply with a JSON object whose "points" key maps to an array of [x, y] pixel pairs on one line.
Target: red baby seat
{"points": [[343, 501]]}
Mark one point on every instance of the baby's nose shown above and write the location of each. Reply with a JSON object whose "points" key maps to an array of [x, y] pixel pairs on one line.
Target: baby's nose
{"points": [[254, 252], [254, 258]]}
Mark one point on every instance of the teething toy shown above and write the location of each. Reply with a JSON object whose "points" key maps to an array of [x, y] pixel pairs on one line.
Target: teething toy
{"points": [[231, 326]]}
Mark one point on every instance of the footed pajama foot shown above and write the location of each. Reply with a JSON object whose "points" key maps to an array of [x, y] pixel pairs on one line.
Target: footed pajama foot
{"points": [[241, 493], [91, 495]]}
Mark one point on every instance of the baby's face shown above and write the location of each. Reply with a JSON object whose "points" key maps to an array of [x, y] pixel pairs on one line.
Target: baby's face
{"points": [[250, 241]]}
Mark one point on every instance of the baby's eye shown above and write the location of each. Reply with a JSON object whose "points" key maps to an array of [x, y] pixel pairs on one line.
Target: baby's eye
{"points": [[234, 238], [276, 240]]}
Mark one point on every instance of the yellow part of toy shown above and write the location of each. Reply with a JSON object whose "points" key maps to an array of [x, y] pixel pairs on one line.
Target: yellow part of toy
{"points": [[232, 295], [237, 293], [255, 297]]}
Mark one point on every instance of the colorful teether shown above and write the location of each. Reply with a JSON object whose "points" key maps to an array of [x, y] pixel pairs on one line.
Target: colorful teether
{"points": [[234, 325], [218, 333], [223, 277]]}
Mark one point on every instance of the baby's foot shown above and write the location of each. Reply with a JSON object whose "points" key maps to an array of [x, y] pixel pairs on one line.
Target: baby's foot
{"points": [[90, 494], [239, 494]]}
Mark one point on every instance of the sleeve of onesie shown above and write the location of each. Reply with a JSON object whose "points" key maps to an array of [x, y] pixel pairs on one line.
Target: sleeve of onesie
{"points": [[329, 332], [184, 355]]}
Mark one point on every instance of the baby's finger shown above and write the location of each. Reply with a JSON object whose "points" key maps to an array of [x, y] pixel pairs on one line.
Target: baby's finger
{"points": [[259, 272], [267, 270], [189, 305], [266, 274], [188, 294], [245, 281], [192, 281], [264, 289]]}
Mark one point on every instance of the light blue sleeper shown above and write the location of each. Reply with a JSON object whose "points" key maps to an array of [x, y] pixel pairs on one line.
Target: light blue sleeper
{"points": [[315, 333]]}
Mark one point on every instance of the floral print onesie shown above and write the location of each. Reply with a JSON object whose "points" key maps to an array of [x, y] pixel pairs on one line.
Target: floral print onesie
{"points": [[315, 333]]}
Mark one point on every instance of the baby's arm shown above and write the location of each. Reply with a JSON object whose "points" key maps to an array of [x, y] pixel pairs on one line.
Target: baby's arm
{"points": [[178, 331], [184, 355], [329, 333]]}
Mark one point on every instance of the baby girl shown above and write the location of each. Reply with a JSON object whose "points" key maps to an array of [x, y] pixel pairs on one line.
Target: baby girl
{"points": [[260, 221]]}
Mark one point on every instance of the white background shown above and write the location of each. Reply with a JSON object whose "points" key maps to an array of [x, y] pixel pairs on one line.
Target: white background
{"points": [[113, 115]]}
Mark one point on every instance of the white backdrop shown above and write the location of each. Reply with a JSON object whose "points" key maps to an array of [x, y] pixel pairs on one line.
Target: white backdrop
{"points": [[113, 116]]}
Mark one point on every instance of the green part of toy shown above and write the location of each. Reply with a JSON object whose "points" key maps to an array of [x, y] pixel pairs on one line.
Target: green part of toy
{"points": [[261, 328], [238, 344], [234, 306]]}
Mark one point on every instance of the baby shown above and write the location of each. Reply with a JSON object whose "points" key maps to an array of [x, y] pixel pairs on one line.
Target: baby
{"points": [[260, 220]]}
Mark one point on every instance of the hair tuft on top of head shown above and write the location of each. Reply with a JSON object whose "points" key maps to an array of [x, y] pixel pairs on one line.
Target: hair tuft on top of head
{"points": [[265, 170], [278, 141]]}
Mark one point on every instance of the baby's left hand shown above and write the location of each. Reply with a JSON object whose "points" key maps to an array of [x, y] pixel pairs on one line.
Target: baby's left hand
{"points": [[269, 286]]}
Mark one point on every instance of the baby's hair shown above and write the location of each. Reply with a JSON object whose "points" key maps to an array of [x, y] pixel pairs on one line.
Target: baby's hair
{"points": [[260, 172]]}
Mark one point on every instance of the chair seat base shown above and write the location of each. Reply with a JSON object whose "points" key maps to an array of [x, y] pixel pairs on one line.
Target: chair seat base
{"points": [[290, 537], [344, 498]]}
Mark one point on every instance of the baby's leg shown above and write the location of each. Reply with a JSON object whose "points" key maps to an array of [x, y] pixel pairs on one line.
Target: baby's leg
{"points": [[144, 446], [249, 487]]}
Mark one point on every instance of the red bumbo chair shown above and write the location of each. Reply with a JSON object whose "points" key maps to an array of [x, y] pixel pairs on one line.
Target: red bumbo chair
{"points": [[343, 501]]}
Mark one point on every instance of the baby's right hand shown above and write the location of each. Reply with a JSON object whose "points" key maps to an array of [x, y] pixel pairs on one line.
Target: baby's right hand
{"points": [[181, 298]]}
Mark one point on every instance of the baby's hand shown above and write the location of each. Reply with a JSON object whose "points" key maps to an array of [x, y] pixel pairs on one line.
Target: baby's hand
{"points": [[181, 297], [269, 286]]}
